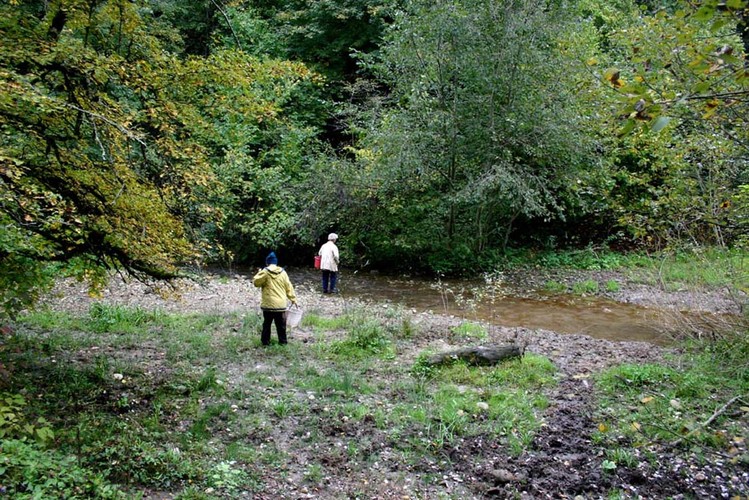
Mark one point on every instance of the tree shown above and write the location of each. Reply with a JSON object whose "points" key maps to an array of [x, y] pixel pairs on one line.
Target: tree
{"points": [[483, 130], [97, 166], [681, 92]]}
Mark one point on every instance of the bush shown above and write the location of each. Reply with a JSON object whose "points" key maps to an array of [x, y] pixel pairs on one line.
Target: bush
{"points": [[29, 471]]}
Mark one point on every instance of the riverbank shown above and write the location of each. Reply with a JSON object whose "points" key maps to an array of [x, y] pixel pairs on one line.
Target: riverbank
{"points": [[308, 422]]}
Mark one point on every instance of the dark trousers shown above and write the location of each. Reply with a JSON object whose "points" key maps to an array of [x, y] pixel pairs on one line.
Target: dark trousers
{"points": [[268, 318], [329, 279]]}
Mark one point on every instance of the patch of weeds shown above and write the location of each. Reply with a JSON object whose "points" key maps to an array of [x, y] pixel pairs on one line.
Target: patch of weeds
{"points": [[105, 318], [587, 287], [632, 379], [407, 329], [229, 479], [470, 331], [552, 286], [189, 345], [128, 453], [283, 407], [530, 372], [647, 403], [32, 471], [460, 372], [251, 325], [326, 323], [241, 452], [365, 338], [273, 457], [239, 340], [49, 320], [201, 428], [333, 381], [422, 368], [622, 457], [354, 411], [612, 286], [16, 424], [588, 258], [208, 381], [313, 473], [513, 413]]}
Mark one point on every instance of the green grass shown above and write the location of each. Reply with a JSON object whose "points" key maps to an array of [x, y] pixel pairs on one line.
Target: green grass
{"points": [[587, 287], [688, 267], [470, 331], [671, 404], [192, 404], [552, 286]]}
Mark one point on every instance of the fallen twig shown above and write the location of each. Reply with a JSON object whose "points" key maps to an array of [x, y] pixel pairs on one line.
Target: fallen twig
{"points": [[707, 422]]}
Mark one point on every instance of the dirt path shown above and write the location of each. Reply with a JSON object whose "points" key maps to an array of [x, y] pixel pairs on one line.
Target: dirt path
{"points": [[562, 462]]}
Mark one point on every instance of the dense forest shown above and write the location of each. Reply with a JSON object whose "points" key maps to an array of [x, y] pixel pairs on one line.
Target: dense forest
{"points": [[153, 136]]}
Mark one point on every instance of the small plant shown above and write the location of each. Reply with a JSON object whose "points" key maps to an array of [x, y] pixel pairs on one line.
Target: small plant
{"points": [[470, 331], [281, 408], [622, 456], [13, 423], [608, 466], [29, 471], [587, 287], [407, 330], [314, 473], [365, 338], [612, 286], [226, 477], [552, 286], [422, 367]]}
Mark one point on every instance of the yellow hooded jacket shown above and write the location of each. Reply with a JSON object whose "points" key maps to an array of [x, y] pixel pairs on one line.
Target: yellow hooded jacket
{"points": [[276, 288]]}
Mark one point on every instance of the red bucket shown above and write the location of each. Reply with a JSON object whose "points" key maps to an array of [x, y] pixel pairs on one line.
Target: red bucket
{"points": [[317, 261]]}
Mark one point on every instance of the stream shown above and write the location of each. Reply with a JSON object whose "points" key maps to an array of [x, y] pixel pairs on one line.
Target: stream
{"points": [[501, 305]]}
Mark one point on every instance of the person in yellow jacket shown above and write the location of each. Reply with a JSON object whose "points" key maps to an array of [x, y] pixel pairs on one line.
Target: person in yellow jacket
{"points": [[276, 289]]}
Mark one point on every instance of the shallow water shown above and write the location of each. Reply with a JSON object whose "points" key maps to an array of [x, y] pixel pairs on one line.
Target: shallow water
{"points": [[500, 305]]}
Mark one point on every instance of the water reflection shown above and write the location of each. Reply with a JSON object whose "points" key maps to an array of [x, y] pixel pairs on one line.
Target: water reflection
{"points": [[597, 317]]}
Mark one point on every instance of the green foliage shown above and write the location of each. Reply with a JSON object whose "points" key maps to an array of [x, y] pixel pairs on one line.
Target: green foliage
{"points": [[657, 403], [588, 258], [29, 471], [227, 478], [335, 382], [108, 318], [586, 287], [508, 396], [127, 453], [422, 368], [364, 339], [328, 34], [14, 423], [470, 331], [679, 80], [612, 286], [465, 148], [555, 286]]}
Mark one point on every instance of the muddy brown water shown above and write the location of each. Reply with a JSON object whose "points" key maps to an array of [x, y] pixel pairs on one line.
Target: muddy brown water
{"points": [[503, 306]]}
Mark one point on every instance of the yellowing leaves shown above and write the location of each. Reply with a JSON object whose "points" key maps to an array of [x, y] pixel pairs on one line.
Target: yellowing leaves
{"points": [[613, 76]]}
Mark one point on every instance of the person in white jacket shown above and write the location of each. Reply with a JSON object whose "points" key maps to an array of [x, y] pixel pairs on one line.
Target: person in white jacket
{"points": [[329, 260]]}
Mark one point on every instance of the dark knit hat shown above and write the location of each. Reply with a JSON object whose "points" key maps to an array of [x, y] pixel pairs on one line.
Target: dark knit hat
{"points": [[271, 259]]}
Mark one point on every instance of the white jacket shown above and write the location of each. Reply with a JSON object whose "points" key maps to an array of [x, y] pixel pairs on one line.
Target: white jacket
{"points": [[329, 254]]}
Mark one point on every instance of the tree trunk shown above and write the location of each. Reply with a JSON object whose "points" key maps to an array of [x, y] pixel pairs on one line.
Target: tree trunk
{"points": [[478, 355]]}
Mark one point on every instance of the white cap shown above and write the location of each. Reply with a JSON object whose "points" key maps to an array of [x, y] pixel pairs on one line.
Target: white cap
{"points": [[332, 236]]}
